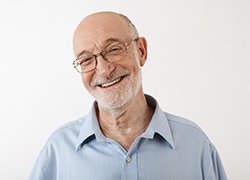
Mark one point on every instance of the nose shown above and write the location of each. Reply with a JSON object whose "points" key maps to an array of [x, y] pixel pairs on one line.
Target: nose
{"points": [[103, 67]]}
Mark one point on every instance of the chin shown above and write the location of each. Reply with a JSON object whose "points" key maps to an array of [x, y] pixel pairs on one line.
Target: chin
{"points": [[115, 100], [118, 98]]}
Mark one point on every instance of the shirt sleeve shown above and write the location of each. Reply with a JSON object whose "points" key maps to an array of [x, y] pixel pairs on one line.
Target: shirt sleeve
{"points": [[216, 170], [37, 171], [45, 165]]}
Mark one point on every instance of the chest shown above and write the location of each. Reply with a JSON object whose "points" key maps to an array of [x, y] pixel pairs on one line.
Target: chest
{"points": [[147, 160]]}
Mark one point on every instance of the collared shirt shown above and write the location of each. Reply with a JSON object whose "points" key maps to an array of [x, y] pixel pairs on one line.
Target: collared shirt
{"points": [[171, 148]]}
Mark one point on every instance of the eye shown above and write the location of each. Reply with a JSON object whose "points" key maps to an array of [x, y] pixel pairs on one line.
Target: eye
{"points": [[86, 60], [116, 49]]}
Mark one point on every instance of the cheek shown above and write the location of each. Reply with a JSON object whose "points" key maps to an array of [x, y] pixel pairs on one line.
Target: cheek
{"points": [[135, 65], [86, 80], [135, 60], [132, 62]]}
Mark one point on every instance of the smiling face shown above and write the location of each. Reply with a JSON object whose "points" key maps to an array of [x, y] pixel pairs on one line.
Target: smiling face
{"points": [[114, 85]]}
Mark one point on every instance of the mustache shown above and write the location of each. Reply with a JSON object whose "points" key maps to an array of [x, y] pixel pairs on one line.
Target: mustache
{"points": [[100, 80]]}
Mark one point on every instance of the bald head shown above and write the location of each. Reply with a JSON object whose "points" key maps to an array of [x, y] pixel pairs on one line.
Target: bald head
{"points": [[98, 26]]}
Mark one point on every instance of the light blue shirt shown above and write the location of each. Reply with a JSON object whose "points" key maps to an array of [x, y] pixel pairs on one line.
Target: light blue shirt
{"points": [[171, 148]]}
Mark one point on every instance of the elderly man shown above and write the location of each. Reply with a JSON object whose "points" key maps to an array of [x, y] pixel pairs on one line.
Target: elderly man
{"points": [[126, 135]]}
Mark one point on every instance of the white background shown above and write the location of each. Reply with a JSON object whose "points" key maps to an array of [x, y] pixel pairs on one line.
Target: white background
{"points": [[198, 67]]}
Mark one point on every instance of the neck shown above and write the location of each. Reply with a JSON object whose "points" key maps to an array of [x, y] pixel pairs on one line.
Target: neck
{"points": [[126, 124]]}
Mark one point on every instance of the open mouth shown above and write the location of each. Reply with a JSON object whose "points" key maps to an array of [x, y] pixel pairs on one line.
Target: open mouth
{"points": [[111, 83]]}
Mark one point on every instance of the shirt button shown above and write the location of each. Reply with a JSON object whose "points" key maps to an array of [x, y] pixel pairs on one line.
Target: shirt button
{"points": [[128, 159]]}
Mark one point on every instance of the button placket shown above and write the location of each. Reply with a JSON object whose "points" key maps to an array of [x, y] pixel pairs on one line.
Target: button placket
{"points": [[128, 159]]}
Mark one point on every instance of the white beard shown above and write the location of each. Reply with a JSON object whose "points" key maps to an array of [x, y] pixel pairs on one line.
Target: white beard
{"points": [[117, 98]]}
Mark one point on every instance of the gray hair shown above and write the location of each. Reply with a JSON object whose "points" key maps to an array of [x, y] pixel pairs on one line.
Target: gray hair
{"points": [[133, 29]]}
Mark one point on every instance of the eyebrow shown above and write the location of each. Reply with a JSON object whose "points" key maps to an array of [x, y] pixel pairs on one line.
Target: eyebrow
{"points": [[107, 42]]}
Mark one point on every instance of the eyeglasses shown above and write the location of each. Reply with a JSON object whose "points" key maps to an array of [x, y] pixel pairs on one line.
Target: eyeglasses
{"points": [[112, 53]]}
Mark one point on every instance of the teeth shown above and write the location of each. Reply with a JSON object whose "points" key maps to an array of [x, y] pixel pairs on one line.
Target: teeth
{"points": [[110, 83]]}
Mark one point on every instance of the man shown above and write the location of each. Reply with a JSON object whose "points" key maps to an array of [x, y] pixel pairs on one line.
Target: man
{"points": [[126, 136]]}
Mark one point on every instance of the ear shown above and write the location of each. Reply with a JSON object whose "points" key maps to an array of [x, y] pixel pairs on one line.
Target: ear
{"points": [[142, 50]]}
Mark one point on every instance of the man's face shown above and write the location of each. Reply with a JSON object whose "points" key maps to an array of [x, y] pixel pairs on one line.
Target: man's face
{"points": [[114, 85]]}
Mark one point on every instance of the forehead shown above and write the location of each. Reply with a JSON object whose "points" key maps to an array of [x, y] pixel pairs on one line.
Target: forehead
{"points": [[94, 31]]}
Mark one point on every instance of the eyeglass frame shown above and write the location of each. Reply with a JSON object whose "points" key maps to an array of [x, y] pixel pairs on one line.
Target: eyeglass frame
{"points": [[102, 53]]}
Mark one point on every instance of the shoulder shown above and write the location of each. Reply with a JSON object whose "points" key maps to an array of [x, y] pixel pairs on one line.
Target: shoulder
{"points": [[186, 127], [70, 126], [181, 121], [61, 140], [67, 132]]}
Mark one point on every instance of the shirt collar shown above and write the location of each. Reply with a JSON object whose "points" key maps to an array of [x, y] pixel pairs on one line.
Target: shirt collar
{"points": [[90, 127], [159, 124]]}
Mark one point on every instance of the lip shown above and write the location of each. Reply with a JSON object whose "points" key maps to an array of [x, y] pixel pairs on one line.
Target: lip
{"points": [[111, 83]]}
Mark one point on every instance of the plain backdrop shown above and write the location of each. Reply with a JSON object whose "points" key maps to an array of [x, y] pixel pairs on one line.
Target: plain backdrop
{"points": [[198, 67]]}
